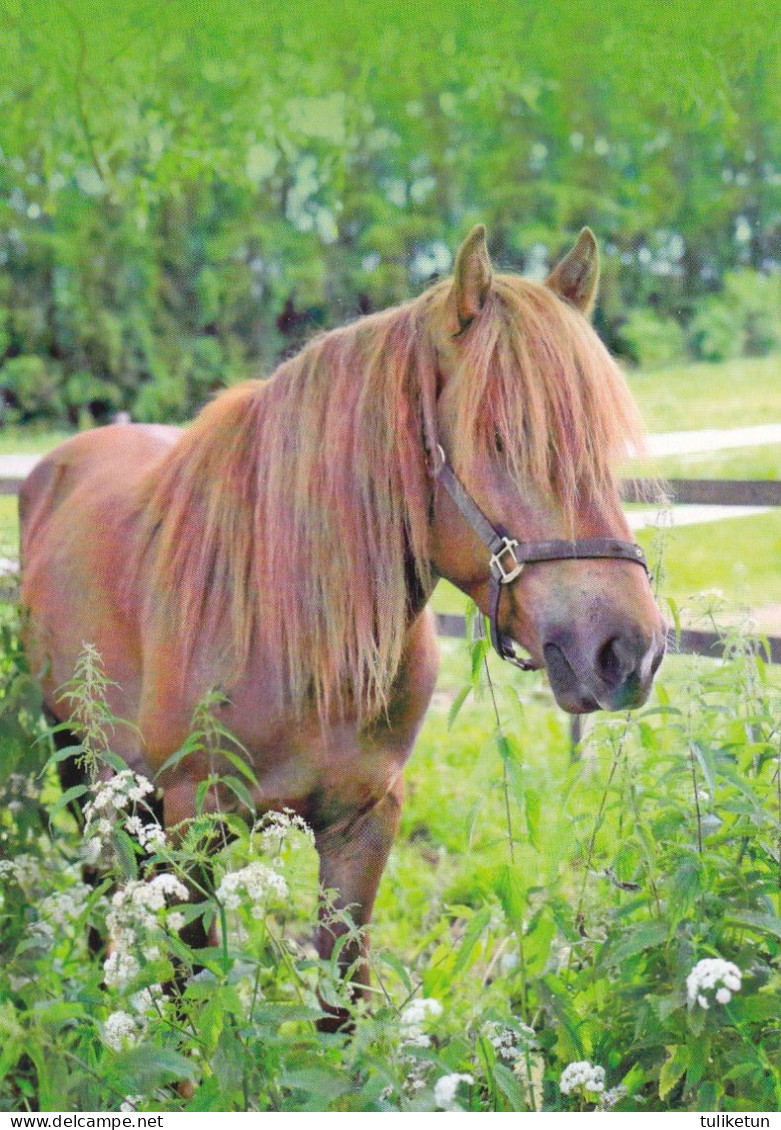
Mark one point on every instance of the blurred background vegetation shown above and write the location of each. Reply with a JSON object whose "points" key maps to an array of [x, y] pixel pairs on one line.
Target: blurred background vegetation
{"points": [[189, 189]]}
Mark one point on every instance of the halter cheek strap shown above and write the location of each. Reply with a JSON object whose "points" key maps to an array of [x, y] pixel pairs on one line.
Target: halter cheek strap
{"points": [[508, 556]]}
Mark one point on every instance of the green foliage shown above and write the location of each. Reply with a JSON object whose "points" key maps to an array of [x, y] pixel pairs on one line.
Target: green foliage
{"points": [[555, 921], [717, 332], [650, 340], [184, 200]]}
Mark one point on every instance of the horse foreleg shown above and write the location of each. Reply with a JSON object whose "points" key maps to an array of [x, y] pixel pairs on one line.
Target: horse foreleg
{"points": [[352, 859]]}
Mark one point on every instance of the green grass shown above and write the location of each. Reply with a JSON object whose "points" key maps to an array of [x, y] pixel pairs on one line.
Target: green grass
{"points": [[731, 394], [30, 441], [763, 462], [738, 555]]}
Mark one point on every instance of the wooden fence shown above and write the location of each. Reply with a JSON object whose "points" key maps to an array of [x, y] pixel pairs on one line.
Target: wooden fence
{"points": [[707, 492]]}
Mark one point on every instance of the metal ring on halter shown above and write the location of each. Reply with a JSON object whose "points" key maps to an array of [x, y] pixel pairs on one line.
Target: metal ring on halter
{"points": [[522, 553]]}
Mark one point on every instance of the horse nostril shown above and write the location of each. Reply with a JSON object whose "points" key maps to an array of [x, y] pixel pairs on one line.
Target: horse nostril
{"points": [[615, 661]]}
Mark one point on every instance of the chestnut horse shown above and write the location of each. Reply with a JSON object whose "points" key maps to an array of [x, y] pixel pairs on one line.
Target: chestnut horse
{"points": [[285, 546]]}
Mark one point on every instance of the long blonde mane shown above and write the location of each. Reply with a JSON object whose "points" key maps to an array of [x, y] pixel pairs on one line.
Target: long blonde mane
{"points": [[293, 514]]}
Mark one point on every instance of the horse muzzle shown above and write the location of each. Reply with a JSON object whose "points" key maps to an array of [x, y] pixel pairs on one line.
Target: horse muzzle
{"points": [[611, 672]]}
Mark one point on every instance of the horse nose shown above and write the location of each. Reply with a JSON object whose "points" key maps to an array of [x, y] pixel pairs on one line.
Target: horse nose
{"points": [[614, 674]]}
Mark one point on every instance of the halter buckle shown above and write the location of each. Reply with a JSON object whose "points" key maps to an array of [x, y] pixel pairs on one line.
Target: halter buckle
{"points": [[504, 576]]}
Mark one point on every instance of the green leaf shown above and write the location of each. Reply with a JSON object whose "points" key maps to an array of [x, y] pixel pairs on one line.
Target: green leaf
{"points": [[533, 809], [673, 1068], [470, 939], [767, 923], [240, 790], [126, 853], [510, 1087], [70, 794], [457, 703], [637, 939], [510, 888]]}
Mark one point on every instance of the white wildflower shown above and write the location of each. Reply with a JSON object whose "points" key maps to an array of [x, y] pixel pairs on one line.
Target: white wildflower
{"points": [[582, 1075], [117, 792], [131, 1103], [121, 1031], [119, 969], [413, 1018], [445, 1090], [510, 1044], [285, 827], [612, 1097], [136, 906], [712, 973], [256, 883], [25, 870], [150, 999], [150, 836]]}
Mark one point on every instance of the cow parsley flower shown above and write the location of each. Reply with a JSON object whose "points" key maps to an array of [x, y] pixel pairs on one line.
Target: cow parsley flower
{"points": [[712, 973], [445, 1090], [116, 792], [119, 969], [25, 870], [414, 1017], [135, 907], [256, 883], [279, 828], [150, 836], [582, 1075], [510, 1044], [612, 1097], [121, 1031]]}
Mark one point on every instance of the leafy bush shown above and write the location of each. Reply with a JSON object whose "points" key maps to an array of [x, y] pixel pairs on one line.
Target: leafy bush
{"points": [[618, 950], [651, 340], [756, 298], [33, 386], [717, 331]]}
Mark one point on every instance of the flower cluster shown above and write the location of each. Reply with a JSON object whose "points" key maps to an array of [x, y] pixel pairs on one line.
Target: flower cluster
{"points": [[122, 1031], [256, 883], [25, 870], [414, 1017], [445, 1090], [119, 969], [712, 973], [20, 788], [135, 910], [150, 836], [60, 909], [612, 1097], [279, 828], [110, 797], [117, 792], [510, 1044], [582, 1075]]}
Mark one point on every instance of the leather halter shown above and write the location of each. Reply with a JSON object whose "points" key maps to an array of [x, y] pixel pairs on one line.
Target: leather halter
{"points": [[508, 556]]}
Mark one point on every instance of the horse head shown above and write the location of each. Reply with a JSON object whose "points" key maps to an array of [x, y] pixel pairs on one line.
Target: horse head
{"points": [[531, 414]]}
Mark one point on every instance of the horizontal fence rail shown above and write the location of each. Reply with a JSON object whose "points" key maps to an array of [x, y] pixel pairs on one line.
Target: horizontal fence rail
{"points": [[701, 492], [704, 492], [689, 641]]}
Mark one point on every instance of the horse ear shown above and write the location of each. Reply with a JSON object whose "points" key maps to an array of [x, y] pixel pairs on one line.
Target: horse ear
{"points": [[576, 277], [472, 276]]}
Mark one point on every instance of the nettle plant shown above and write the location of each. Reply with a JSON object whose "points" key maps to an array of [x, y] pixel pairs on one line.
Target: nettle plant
{"points": [[638, 973]]}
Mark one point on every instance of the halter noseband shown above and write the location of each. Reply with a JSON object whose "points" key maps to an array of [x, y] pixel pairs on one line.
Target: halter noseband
{"points": [[509, 556]]}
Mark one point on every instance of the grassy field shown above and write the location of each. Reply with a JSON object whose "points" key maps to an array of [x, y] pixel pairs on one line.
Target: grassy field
{"points": [[686, 397]]}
